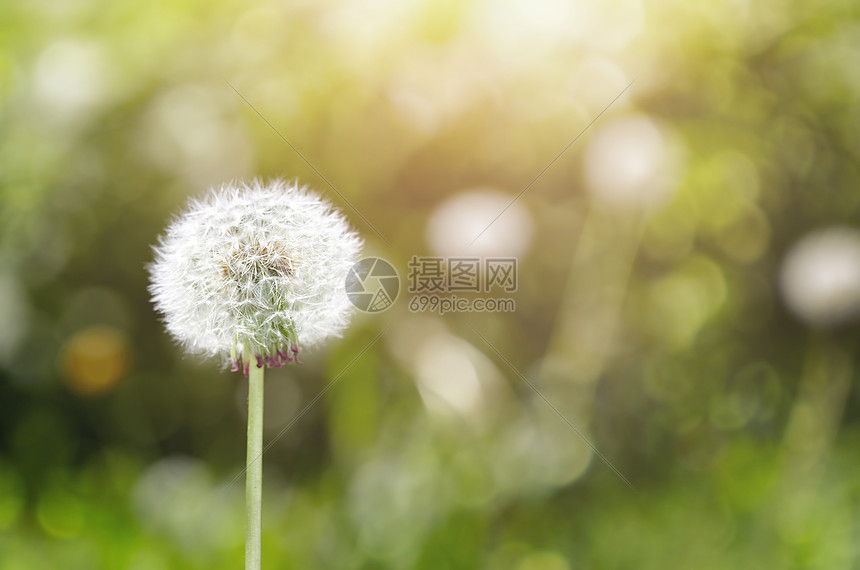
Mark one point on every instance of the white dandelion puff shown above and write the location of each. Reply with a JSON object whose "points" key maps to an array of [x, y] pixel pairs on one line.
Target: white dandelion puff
{"points": [[254, 270]]}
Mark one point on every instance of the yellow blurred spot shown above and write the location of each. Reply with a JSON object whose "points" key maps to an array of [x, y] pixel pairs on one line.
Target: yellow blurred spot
{"points": [[670, 232], [683, 301], [440, 21], [11, 499], [60, 514], [543, 561], [744, 232], [255, 32], [8, 74], [95, 359]]}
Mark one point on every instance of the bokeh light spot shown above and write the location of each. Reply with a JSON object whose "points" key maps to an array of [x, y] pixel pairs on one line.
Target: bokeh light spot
{"points": [[744, 234], [684, 300], [72, 77], [192, 130], [820, 279], [95, 359], [460, 219], [176, 497], [447, 380], [543, 561], [629, 162], [11, 498], [13, 314], [60, 513]]}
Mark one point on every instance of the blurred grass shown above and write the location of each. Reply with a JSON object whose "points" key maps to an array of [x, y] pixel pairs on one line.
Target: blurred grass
{"points": [[648, 310]]}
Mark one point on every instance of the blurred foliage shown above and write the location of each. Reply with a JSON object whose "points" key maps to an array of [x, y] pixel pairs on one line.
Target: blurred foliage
{"points": [[649, 312]]}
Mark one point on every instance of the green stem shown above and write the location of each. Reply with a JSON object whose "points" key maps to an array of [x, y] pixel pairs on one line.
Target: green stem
{"points": [[254, 468]]}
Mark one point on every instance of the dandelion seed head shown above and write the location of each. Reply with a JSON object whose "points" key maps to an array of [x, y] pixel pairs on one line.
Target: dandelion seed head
{"points": [[254, 269]]}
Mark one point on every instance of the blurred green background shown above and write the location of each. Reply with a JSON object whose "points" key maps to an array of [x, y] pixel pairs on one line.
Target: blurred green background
{"points": [[688, 283]]}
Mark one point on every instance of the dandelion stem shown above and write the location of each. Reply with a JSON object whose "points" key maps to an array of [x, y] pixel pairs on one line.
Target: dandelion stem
{"points": [[254, 469]]}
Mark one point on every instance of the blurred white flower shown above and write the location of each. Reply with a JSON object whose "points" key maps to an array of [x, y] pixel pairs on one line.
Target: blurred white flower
{"points": [[820, 278], [254, 269]]}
